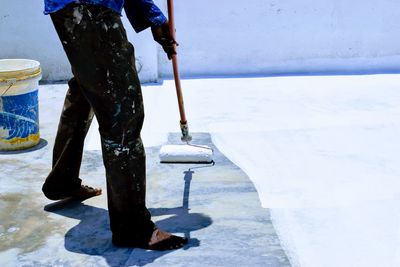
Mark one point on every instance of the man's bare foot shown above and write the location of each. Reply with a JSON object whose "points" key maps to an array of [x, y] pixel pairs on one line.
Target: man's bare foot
{"points": [[161, 240], [82, 193]]}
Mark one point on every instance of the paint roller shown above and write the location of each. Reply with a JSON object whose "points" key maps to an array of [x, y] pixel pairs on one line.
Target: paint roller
{"points": [[186, 153]]}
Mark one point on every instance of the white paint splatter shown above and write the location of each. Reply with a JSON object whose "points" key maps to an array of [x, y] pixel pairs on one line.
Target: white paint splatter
{"points": [[4, 133], [77, 15], [119, 151], [13, 229]]}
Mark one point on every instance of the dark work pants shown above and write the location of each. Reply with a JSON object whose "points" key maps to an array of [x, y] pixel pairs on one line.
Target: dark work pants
{"points": [[105, 83]]}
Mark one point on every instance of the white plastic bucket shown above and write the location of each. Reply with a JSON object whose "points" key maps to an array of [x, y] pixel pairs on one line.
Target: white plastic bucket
{"points": [[19, 106]]}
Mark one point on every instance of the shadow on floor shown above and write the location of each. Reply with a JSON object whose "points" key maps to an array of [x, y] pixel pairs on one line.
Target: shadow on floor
{"points": [[92, 235], [39, 146], [182, 221]]}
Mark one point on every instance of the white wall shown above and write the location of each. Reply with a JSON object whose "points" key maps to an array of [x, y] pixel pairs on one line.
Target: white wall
{"points": [[26, 33], [232, 37], [281, 36]]}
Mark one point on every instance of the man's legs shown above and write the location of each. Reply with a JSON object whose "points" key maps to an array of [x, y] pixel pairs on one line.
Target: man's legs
{"points": [[103, 63]]}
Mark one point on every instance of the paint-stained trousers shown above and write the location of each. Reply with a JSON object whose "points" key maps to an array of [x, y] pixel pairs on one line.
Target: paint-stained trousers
{"points": [[105, 84]]}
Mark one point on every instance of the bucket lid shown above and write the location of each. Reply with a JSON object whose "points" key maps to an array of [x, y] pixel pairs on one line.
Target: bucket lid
{"points": [[18, 69]]}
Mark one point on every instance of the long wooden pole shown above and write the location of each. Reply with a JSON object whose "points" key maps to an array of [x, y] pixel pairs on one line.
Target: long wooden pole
{"points": [[179, 94]]}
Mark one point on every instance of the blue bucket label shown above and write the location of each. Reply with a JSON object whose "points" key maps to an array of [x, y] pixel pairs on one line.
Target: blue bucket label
{"points": [[19, 115]]}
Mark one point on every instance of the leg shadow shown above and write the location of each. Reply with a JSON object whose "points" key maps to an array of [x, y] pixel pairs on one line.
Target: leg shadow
{"points": [[92, 236]]}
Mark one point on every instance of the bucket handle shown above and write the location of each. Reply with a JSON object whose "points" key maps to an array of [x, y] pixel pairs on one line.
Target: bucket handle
{"points": [[10, 83]]}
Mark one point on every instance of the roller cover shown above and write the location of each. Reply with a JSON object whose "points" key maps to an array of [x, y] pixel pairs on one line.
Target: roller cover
{"points": [[186, 154]]}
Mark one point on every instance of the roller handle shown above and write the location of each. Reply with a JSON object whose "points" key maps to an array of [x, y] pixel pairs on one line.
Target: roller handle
{"points": [[183, 123]]}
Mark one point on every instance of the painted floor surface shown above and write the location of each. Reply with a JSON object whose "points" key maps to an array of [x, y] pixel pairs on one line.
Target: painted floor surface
{"points": [[216, 207]]}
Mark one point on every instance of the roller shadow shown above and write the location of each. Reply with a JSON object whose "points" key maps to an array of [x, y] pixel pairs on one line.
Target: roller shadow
{"points": [[182, 220], [92, 236]]}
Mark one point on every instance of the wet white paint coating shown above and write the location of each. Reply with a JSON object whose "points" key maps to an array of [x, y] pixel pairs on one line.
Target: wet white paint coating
{"points": [[321, 151], [185, 153]]}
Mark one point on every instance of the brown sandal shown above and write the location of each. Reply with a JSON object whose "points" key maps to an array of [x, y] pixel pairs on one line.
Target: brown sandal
{"points": [[86, 192]]}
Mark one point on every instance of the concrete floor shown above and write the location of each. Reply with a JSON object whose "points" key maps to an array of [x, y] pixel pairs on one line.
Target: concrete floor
{"points": [[322, 152], [217, 207]]}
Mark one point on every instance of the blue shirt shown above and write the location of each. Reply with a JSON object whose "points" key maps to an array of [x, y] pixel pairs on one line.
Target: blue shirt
{"points": [[141, 13]]}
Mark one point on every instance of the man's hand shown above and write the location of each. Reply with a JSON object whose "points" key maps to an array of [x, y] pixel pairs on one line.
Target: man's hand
{"points": [[163, 36]]}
